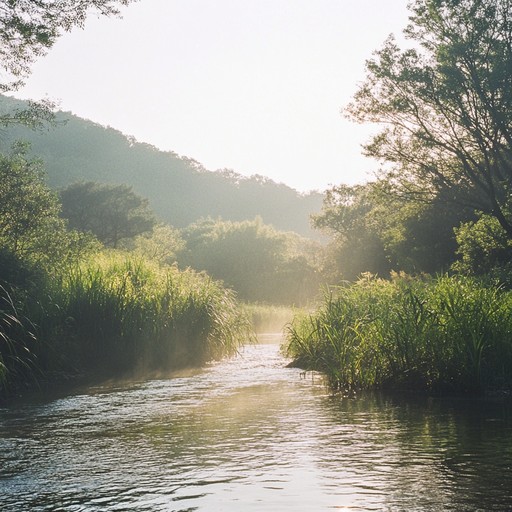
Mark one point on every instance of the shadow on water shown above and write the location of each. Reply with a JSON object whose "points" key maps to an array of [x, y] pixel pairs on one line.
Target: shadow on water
{"points": [[247, 433]]}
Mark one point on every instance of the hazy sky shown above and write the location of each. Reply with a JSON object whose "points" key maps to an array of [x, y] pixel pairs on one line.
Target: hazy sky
{"points": [[252, 85]]}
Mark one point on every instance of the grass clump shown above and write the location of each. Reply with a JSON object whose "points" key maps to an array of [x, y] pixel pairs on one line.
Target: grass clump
{"points": [[18, 343], [115, 314], [445, 333]]}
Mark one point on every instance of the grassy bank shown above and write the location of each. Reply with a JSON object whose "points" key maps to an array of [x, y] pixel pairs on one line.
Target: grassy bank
{"points": [[115, 315], [446, 333]]}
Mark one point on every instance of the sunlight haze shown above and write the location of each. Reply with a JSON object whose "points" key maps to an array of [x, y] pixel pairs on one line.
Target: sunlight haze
{"points": [[253, 86]]}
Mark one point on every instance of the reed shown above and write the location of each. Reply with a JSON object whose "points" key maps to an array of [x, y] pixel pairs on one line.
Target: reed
{"points": [[18, 343], [125, 312], [114, 315], [445, 333]]}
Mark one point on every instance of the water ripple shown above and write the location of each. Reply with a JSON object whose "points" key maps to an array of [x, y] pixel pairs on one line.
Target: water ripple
{"points": [[250, 434]]}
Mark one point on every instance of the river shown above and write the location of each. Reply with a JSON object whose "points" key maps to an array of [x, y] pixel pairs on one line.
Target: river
{"points": [[249, 434]]}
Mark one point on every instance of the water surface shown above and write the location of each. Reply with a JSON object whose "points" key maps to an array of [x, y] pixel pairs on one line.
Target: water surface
{"points": [[248, 434]]}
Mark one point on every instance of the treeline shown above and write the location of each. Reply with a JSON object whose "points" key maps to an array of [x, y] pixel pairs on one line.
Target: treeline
{"points": [[92, 284], [179, 189], [381, 228]]}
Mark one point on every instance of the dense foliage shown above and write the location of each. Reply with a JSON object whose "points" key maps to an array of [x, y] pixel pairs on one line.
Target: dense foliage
{"points": [[111, 213], [375, 230], [68, 310], [260, 263], [31, 230], [446, 104], [441, 203]]}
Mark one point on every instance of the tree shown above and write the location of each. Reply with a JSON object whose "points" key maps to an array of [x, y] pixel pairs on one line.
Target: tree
{"points": [[162, 244], [258, 262], [483, 247], [31, 231], [357, 247], [109, 212], [376, 231], [447, 104], [28, 29], [418, 236]]}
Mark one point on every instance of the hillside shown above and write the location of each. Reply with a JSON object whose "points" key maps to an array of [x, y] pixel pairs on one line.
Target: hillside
{"points": [[179, 189]]}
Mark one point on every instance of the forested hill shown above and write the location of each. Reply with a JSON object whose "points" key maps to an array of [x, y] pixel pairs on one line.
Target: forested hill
{"points": [[179, 189]]}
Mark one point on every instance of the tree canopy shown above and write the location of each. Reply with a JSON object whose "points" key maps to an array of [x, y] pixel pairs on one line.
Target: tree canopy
{"points": [[110, 212], [257, 261], [31, 230], [446, 104]]}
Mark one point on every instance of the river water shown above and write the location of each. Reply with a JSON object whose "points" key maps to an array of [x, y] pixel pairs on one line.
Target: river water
{"points": [[248, 434]]}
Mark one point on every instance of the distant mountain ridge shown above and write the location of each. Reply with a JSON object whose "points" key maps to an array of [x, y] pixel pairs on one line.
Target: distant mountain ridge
{"points": [[179, 189]]}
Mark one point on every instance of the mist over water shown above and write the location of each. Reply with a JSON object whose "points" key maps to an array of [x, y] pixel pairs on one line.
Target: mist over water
{"points": [[250, 434]]}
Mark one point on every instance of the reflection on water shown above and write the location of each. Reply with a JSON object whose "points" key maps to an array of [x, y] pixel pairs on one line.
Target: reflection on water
{"points": [[250, 434]]}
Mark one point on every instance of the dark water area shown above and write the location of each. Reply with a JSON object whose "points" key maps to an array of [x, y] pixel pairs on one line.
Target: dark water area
{"points": [[249, 434]]}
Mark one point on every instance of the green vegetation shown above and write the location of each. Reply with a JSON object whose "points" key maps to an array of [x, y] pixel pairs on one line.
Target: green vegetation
{"points": [[446, 106], [115, 315], [67, 309], [122, 313], [441, 206], [376, 229], [111, 213], [445, 333], [260, 263]]}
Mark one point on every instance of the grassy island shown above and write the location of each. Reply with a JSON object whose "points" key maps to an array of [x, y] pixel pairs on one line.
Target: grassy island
{"points": [[430, 334]]}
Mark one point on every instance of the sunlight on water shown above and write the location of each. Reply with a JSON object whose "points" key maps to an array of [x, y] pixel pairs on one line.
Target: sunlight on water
{"points": [[250, 434]]}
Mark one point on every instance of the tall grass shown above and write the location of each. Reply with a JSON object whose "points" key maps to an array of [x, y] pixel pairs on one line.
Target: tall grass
{"points": [[17, 342], [115, 314], [450, 333], [127, 312]]}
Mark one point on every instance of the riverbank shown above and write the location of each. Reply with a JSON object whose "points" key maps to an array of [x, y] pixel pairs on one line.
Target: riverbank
{"points": [[444, 334]]}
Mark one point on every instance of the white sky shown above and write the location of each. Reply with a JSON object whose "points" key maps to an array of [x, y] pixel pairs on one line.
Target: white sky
{"points": [[252, 85]]}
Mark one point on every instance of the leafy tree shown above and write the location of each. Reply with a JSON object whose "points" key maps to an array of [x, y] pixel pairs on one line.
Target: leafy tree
{"points": [[447, 105], [257, 261], [357, 247], [483, 247], [109, 212], [376, 230], [31, 230], [29, 28], [162, 244], [418, 236]]}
